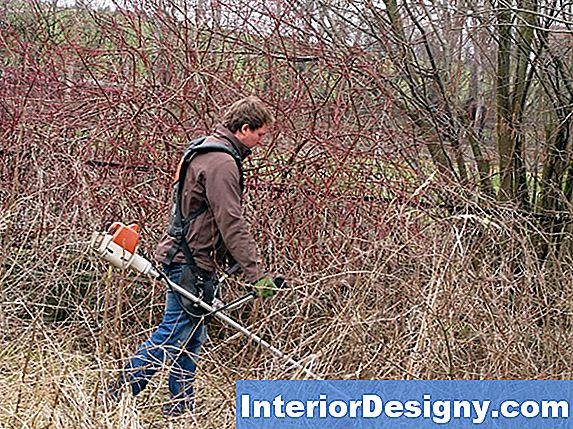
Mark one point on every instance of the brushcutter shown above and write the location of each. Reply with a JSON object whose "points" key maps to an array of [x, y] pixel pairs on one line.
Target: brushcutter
{"points": [[118, 246]]}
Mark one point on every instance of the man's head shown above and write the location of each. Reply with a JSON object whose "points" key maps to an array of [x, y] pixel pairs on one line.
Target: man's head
{"points": [[248, 119]]}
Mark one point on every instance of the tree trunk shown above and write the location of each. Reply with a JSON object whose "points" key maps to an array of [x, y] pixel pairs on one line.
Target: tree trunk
{"points": [[511, 100], [503, 116]]}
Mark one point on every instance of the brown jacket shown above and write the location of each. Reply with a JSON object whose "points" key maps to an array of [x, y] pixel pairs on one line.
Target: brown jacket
{"points": [[214, 177]]}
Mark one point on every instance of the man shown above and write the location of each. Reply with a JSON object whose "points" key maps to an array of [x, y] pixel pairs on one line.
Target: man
{"points": [[211, 193]]}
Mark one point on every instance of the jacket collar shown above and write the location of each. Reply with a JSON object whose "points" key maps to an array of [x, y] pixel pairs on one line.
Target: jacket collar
{"points": [[223, 133]]}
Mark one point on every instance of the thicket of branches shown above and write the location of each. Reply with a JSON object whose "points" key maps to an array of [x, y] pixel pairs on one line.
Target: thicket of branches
{"points": [[415, 190]]}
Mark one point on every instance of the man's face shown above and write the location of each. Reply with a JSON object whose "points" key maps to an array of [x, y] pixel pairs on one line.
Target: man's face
{"points": [[251, 138]]}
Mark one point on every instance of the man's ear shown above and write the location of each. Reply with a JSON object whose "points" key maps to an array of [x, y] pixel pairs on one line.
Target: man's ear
{"points": [[245, 128]]}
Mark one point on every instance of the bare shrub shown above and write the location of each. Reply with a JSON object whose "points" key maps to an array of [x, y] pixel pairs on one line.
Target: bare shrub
{"points": [[394, 271]]}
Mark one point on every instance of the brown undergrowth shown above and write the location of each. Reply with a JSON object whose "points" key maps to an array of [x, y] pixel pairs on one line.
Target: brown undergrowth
{"points": [[394, 272], [377, 290]]}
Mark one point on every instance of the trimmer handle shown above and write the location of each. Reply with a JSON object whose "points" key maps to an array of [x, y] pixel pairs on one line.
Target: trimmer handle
{"points": [[280, 281]]}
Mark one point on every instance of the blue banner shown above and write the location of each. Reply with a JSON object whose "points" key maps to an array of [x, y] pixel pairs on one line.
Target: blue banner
{"points": [[404, 404]]}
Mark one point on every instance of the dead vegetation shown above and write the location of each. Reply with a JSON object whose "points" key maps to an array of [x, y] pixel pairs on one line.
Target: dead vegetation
{"points": [[394, 272], [394, 292]]}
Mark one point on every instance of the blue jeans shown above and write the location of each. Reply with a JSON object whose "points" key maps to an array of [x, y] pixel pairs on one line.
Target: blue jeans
{"points": [[176, 343]]}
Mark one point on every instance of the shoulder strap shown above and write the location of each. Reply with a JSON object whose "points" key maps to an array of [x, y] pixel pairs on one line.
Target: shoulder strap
{"points": [[201, 147], [178, 225]]}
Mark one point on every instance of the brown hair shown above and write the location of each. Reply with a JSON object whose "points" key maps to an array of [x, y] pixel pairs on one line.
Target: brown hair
{"points": [[250, 111]]}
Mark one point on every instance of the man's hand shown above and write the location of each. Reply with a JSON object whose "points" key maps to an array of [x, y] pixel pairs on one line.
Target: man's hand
{"points": [[265, 287]]}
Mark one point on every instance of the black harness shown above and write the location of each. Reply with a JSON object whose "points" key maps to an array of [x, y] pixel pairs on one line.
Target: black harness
{"points": [[195, 280], [179, 225]]}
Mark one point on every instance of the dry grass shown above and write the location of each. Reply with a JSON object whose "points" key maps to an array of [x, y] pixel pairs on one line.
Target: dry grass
{"points": [[403, 294], [383, 283]]}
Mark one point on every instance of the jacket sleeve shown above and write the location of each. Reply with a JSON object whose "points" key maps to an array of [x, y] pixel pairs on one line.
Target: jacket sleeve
{"points": [[223, 191]]}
